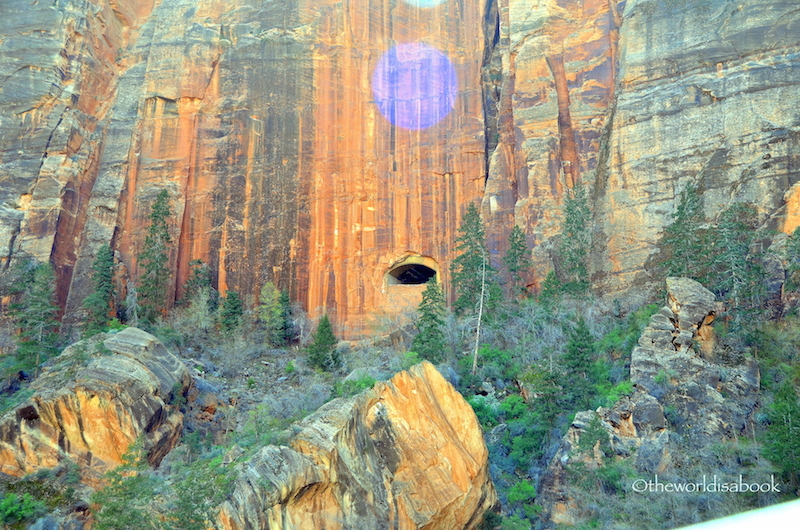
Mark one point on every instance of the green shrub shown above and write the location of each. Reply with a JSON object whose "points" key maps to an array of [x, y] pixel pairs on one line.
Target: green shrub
{"points": [[522, 492], [203, 487], [353, 386], [515, 522], [15, 509], [484, 411]]}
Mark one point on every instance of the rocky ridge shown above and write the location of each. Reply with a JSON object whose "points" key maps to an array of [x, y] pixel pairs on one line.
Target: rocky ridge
{"points": [[685, 399]]}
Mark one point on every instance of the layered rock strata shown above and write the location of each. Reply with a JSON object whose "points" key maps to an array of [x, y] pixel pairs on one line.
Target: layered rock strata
{"points": [[260, 120], [707, 94], [92, 402], [407, 454]]}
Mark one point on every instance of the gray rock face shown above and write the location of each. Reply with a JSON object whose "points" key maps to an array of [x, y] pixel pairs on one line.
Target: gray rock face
{"points": [[690, 302], [708, 93]]}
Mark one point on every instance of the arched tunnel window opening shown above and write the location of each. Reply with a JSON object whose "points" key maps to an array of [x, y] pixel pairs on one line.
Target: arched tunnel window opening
{"points": [[411, 274]]}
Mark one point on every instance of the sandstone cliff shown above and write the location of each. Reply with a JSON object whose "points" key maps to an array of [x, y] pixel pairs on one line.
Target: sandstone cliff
{"points": [[260, 119], [706, 95], [91, 402], [407, 454]]}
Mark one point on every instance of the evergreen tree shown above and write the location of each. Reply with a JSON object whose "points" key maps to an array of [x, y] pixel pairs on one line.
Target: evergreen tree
{"points": [[322, 350], [430, 342], [517, 260], [287, 329], [155, 275], [124, 501], [782, 439], [98, 302], [737, 275], [575, 242], [683, 243], [577, 361], [470, 271], [270, 313], [232, 312], [200, 281], [36, 317]]}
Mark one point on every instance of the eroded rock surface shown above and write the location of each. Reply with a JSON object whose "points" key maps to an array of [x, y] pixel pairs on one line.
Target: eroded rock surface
{"points": [[685, 397], [407, 454], [707, 96], [92, 402]]}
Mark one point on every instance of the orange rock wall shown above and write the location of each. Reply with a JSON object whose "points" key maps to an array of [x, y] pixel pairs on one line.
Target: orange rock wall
{"points": [[380, 191], [552, 74], [260, 122]]}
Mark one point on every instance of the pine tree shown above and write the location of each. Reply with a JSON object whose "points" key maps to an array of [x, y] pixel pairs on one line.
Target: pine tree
{"points": [[322, 350], [470, 270], [683, 244], [270, 313], [737, 275], [517, 260], [430, 342], [154, 261], [577, 362], [575, 242], [200, 281], [232, 312], [287, 329], [782, 440], [123, 503], [36, 317], [98, 302]]}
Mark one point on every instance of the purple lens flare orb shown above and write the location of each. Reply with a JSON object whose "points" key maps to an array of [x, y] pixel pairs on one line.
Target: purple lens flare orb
{"points": [[414, 85]]}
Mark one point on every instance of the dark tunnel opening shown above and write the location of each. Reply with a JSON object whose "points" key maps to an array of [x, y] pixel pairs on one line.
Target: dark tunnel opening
{"points": [[411, 274]]}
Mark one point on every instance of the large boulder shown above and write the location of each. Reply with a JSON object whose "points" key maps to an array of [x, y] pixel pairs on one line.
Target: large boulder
{"points": [[407, 454], [92, 402]]}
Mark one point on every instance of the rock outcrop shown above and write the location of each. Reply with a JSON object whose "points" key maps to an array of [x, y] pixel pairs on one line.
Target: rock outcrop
{"points": [[675, 362], [681, 392], [92, 402], [407, 454]]}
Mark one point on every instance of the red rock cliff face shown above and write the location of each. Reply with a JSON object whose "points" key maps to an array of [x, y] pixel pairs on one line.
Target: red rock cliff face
{"points": [[380, 192], [260, 121], [59, 64], [550, 81]]}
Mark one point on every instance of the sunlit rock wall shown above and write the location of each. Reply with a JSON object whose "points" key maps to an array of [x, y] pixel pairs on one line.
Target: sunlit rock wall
{"points": [[261, 122], [549, 80]]}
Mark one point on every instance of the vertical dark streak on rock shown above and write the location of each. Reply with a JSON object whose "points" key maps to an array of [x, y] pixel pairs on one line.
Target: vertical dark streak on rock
{"points": [[568, 152]]}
